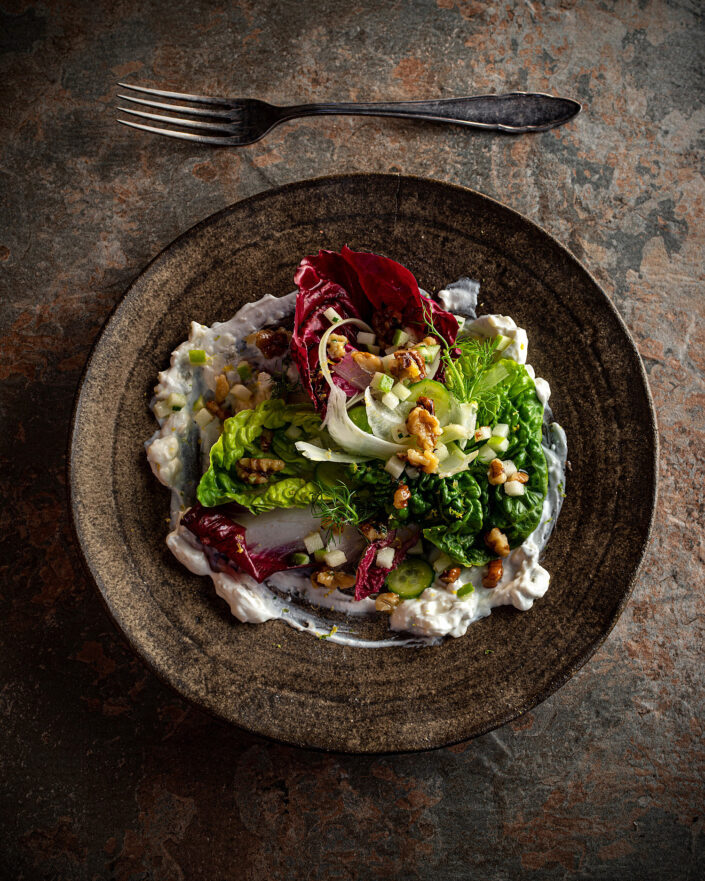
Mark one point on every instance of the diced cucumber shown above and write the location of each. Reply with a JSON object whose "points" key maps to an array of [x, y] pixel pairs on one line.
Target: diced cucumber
{"points": [[498, 444], [385, 558], [410, 579], [358, 415], [400, 337], [401, 391], [366, 339], [442, 563], [501, 429], [176, 401], [436, 392], [313, 542], [300, 559], [389, 399], [428, 353], [197, 356], [162, 409], [198, 404], [335, 558], [332, 315], [394, 466], [203, 418], [486, 454], [381, 382]]}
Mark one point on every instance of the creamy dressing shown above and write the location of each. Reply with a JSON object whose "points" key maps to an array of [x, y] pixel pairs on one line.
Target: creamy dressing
{"points": [[178, 455]]}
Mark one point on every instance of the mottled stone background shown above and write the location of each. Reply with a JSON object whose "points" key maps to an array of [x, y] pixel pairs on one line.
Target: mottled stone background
{"points": [[105, 773]]}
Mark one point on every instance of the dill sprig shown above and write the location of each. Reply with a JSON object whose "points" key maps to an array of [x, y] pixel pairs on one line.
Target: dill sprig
{"points": [[464, 363], [334, 505]]}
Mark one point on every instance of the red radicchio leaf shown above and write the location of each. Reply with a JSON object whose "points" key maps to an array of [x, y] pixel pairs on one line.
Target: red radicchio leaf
{"points": [[370, 577], [218, 532], [356, 285]]}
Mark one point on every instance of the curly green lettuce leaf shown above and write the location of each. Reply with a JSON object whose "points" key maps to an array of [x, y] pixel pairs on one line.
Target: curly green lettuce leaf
{"points": [[242, 437]]}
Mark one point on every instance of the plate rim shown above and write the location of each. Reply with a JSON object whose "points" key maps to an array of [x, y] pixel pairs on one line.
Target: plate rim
{"points": [[554, 683]]}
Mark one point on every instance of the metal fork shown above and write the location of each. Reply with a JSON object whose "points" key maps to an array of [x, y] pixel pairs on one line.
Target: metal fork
{"points": [[234, 122]]}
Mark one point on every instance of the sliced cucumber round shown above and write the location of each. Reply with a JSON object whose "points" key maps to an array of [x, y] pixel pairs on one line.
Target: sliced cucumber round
{"points": [[436, 392], [411, 578], [358, 415]]}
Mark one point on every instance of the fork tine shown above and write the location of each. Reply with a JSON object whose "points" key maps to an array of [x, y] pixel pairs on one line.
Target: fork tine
{"points": [[193, 111], [180, 96], [185, 123], [184, 136]]}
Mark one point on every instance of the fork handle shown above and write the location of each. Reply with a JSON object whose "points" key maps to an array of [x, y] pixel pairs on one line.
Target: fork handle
{"points": [[514, 112]]}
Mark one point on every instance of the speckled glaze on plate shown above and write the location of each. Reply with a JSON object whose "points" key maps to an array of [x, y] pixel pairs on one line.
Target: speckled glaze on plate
{"points": [[287, 685]]}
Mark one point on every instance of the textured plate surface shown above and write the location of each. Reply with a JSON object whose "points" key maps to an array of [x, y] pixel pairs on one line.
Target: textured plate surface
{"points": [[290, 686]]}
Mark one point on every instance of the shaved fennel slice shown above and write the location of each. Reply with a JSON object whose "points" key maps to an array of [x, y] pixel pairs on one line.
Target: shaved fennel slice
{"points": [[317, 454], [381, 418], [351, 438], [455, 463], [323, 345]]}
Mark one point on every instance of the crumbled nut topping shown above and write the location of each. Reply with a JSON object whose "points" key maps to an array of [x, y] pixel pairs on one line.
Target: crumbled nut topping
{"points": [[387, 602], [495, 473], [497, 542], [336, 346], [221, 388], [373, 531], [494, 574], [424, 426], [519, 477], [257, 470], [450, 575], [402, 496], [327, 577], [426, 460], [408, 364], [216, 410], [427, 404]]}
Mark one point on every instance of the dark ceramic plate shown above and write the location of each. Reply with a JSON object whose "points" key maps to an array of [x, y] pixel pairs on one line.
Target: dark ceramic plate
{"points": [[288, 685]]}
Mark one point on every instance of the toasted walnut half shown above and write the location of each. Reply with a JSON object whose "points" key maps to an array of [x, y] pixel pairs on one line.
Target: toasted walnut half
{"points": [[424, 460], [257, 470], [495, 570], [402, 496], [331, 579], [497, 542], [408, 364], [387, 602], [369, 362], [495, 473], [451, 575], [424, 426], [373, 531]]}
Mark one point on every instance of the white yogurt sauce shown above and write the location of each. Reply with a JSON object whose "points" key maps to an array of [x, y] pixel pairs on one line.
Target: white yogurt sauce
{"points": [[289, 595]]}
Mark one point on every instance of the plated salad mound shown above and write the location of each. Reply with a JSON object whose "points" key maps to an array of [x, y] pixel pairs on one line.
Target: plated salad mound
{"points": [[358, 446]]}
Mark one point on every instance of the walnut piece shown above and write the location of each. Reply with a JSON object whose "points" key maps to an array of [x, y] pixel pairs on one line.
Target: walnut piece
{"points": [[369, 362], [408, 364], [272, 343], [427, 404], [387, 602], [494, 574], [384, 323], [336, 346], [257, 470], [425, 460], [216, 410], [495, 473], [329, 578], [519, 477], [497, 542], [402, 496], [373, 531], [424, 426], [221, 388], [450, 575]]}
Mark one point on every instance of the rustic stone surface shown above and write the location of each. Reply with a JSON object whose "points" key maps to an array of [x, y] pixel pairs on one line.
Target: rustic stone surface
{"points": [[105, 774]]}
